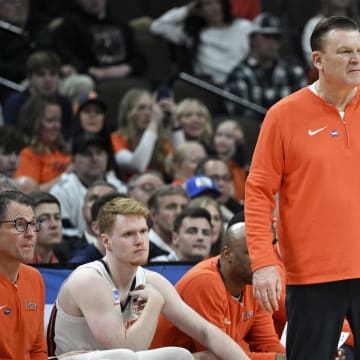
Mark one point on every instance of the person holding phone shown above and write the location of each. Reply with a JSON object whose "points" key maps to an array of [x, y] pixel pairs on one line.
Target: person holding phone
{"points": [[147, 132]]}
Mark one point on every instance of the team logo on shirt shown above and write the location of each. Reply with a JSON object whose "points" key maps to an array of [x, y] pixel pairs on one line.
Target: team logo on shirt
{"points": [[116, 298], [332, 133], [30, 306], [248, 314], [314, 132]]}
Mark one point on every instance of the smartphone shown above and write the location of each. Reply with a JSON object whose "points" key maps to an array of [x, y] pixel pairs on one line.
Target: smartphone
{"points": [[163, 92]]}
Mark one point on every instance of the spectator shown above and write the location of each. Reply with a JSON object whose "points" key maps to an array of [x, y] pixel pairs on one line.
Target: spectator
{"points": [[181, 164], [165, 203], [89, 115], [201, 185], [142, 139], [202, 26], [46, 157], [229, 146], [218, 170], [22, 287], [90, 164], [90, 118], [217, 223], [141, 186], [93, 193], [11, 143], [16, 38], [43, 76], [264, 76], [220, 290], [48, 212], [72, 246], [140, 296], [90, 41], [195, 119], [191, 237]]}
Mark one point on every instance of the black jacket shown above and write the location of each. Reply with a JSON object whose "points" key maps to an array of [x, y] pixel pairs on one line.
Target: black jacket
{"points": [[83, 40]]}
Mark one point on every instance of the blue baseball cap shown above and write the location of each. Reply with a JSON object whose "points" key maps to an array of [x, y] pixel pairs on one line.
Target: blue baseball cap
{"points": [[201, 185]]}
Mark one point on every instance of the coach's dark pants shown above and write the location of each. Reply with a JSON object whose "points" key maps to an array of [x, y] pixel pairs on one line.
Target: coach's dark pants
{"points": [[316, 313]]}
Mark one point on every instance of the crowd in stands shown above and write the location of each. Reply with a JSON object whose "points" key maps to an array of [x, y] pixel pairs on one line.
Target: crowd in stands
{"points": [[65, 145]]}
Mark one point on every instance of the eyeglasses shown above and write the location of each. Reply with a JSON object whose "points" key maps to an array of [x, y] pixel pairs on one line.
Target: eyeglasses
{"points": [[21, 225]]}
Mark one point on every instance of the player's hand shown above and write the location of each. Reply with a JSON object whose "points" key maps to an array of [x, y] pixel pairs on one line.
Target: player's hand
{"points": [[340, 354], [267, 287], [145, 293]]}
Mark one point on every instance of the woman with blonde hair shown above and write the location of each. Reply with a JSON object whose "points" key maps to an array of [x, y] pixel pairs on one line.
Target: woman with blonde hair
{"points": [[141, 141], [47, 156], [195, 119], [181, 164]]}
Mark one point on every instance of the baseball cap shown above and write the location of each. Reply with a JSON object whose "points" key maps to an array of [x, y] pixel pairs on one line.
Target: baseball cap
{"points": [[266, 23], [200, 185], [87, 98], [83, 141]]}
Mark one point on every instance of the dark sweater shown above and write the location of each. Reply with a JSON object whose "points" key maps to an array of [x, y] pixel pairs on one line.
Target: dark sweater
{"points": [[83, 40]]}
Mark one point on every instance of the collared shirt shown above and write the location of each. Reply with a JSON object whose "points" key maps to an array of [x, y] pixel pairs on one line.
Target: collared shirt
{"points": [[22, 316]]}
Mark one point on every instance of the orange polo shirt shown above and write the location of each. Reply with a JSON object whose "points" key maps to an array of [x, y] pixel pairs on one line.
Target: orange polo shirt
{"points": [[22, 316], [308, 155]]}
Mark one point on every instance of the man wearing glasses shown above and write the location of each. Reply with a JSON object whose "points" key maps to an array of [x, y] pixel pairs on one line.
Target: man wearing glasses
{"points": [[21, 286]]}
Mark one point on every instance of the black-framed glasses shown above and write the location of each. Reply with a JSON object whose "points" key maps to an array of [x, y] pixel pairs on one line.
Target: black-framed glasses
{"points": [[21, 225]]}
